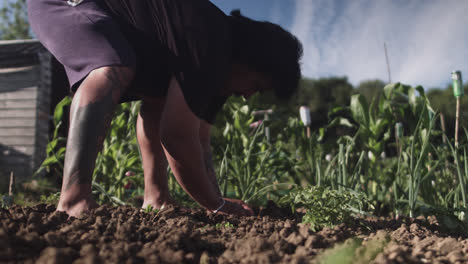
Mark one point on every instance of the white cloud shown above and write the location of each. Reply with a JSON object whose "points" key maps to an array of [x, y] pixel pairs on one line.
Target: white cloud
{"points": [[426, 40]]}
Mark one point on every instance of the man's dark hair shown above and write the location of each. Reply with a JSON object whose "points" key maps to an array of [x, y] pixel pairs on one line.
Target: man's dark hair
{"points": [[269, 49]]}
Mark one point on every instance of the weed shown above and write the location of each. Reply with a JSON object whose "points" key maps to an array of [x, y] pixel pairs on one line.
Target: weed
{"points": [[225, 225], [325, 207], [149, 209], [51, 198]]}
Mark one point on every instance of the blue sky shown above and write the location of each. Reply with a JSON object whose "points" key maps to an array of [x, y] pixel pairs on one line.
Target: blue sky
{"points": [[425, 39]]}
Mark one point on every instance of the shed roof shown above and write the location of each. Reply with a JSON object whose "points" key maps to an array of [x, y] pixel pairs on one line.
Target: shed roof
{"points": [[19, 53]]}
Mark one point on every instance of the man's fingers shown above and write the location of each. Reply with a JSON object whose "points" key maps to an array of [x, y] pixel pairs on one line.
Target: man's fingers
{"points": [[248, 209], [243, 208]]}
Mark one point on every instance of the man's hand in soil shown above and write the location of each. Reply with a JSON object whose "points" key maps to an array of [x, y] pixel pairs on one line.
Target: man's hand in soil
{"points": [[236, 207]]}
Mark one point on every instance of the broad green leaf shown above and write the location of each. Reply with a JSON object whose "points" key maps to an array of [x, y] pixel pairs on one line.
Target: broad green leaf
{"points": [[421, 91], [49, 161], [345, 122], [389, 89], [360, 109]]}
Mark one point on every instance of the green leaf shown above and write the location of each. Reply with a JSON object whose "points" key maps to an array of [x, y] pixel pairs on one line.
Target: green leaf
{"points": [[49, 161], [60, 108], [389, 89], [412, 98], [360, 109]]}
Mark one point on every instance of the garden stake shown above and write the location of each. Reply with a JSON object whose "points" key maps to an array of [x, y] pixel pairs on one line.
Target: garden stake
{"points": [[7, 200], [442, 125], [11, 188], [457, 92], [304, 112]]}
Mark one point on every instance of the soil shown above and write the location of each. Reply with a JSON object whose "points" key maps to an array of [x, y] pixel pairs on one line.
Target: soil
{"points": [[39, 234]]}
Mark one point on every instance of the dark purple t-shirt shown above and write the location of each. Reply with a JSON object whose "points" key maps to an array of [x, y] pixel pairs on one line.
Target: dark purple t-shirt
{"points": [[186, 38]]}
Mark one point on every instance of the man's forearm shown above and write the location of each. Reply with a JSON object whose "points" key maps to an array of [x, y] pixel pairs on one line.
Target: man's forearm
{"points": [[187, 163], [208, 158]]}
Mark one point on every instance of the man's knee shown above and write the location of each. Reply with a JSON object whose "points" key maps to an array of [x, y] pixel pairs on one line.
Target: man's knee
{"points": [[117, 76]]}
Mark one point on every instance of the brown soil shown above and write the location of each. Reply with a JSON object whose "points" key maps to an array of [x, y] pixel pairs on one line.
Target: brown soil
{"points": [[175, 235]]}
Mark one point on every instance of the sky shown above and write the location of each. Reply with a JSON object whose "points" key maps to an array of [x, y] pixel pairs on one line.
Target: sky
{"points": [[426, 39]]}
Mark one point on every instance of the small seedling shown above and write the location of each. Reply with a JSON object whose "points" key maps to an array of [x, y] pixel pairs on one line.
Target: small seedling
{"points": [[148, 209], [225, 225], [50, 199]]}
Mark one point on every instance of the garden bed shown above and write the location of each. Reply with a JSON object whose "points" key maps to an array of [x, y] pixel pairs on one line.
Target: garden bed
{"points": [[178, 235]]}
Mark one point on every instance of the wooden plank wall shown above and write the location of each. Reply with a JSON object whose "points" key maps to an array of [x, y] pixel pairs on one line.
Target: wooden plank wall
{"points": [[43, 102], [18, 119]]}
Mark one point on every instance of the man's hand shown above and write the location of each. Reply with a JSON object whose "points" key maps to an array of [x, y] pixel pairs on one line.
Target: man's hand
{"points": [[236, 207]]}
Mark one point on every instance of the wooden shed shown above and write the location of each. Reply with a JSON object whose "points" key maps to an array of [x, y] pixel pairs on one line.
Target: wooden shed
{"points": [[25, 103]]}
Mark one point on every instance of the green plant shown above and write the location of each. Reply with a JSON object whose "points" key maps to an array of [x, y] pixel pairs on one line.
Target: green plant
{"points": [[55, 151], [461, 166], [120, 154], [250, 165], [306, 153], [225, 225], [373, 128], [415, 157], [325, 207], [399, 103], [50, 199], [150, 209]]}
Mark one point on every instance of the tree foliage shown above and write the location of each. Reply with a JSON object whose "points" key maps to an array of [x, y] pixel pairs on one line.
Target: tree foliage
{"points": [[14, 20], [371, 89], [321, 95]]}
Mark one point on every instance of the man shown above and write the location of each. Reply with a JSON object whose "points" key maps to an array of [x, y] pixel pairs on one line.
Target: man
{"points": [[182, 58]]}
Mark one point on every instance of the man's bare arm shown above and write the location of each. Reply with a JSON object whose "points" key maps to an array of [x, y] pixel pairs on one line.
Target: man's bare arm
{"points": [[181, 143], [205, 141], [231, 206]]}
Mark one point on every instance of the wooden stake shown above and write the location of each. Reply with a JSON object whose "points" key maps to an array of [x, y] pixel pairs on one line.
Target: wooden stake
{"points": [[442, 125], [11, 188], [308, 131], [388, 64]]}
